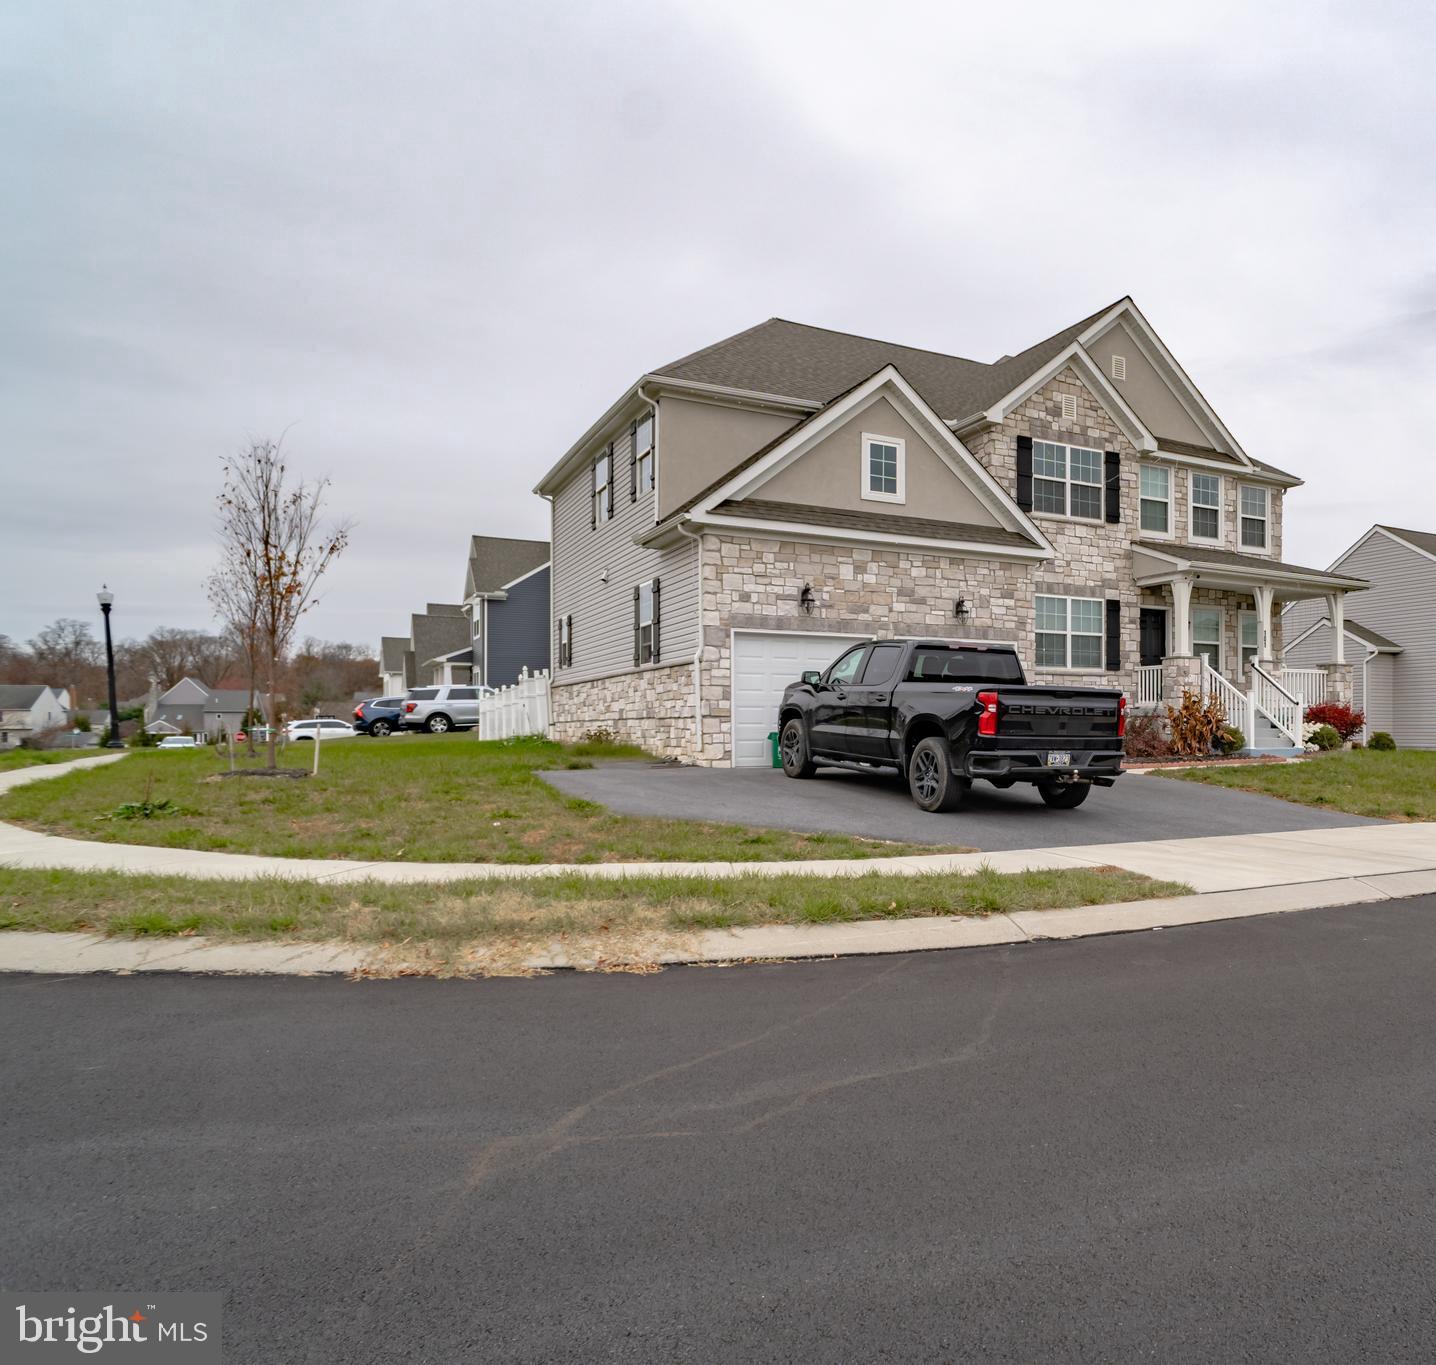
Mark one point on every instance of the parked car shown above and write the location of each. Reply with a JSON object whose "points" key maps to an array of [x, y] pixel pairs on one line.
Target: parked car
{"points": [[947, 713], [378, 716], [178, 742], [327, 727], [437, 709]]}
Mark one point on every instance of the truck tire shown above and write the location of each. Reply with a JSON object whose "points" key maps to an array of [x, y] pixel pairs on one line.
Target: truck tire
{"points": [[793, 750], [1064, 796], [931, 780]]}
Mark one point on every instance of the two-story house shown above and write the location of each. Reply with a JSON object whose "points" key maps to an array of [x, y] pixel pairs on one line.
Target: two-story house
{"points": [[738, 515], [1391, 641]]}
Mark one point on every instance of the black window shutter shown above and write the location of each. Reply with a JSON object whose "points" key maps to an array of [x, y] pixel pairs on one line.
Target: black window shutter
{"points": [[633, 462], [568, 644], [1113, 464], [1024, 473], [657, 616], [608, 495], [635, 623], [593, 495], [558, 643], [1114, 635]]}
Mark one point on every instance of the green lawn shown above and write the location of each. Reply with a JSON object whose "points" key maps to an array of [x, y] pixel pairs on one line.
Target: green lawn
{"points": [[428, 798], [28, 758], [1389, 786], [507, 919]]}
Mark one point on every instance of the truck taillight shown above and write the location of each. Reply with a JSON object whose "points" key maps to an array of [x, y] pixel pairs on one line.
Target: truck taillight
{"points": [[1122, 716], [987, 720]]}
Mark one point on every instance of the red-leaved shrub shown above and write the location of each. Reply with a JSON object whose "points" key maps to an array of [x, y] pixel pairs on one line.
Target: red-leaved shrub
{"points": [[1345, 721]]}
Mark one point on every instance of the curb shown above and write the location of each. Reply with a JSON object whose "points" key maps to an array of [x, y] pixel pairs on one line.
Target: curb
{"points": [[23, 952]]}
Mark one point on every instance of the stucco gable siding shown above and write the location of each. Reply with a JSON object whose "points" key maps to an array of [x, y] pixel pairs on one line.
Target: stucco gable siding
{"points": [[1145, 391], [700, 442], [584, 556], [832, 473]]}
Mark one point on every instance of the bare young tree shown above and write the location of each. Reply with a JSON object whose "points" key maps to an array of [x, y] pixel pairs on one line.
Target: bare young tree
{"points": [[274, 551]]}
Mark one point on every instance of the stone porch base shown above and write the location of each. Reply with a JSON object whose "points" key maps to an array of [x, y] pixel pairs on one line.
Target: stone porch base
{"points": [[652, 708]]}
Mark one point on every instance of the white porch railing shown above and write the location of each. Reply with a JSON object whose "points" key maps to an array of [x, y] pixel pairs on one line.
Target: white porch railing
{"points": [[1307, 683], [1235, 703], [1280, 706], [1149, 684], [522, 709]]}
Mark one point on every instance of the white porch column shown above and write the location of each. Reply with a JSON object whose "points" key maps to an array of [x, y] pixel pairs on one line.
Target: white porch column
{"points": [[1182, 616], [1264, 599], [1336, 608]]}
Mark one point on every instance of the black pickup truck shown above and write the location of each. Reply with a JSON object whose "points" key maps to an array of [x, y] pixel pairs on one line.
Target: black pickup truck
{"points": [[948, 712]]}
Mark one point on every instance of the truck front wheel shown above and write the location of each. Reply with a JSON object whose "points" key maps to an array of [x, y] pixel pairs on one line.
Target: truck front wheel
{"points": [[793, 750], [1064, 797], [931, 780]]}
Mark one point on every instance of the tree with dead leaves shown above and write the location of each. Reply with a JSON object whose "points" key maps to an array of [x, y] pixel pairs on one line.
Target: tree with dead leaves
{"points": [[274, 549]]}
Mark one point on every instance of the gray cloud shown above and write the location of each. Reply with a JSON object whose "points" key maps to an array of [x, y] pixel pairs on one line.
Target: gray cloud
{"points": [[434, 241]]}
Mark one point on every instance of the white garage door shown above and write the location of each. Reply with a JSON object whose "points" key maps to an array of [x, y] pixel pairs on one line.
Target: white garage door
{"points": [[763, 665]]}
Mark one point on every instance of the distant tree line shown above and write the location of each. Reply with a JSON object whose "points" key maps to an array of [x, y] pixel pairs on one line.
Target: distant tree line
{"points": [[67, 653]]}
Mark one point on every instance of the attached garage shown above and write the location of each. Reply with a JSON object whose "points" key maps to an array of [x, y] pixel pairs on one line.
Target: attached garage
{"points": [[764, 663]]}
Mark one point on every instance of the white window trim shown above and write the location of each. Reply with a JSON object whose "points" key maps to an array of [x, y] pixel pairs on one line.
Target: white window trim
{"points": [[645, 587], [1192, 476], [1068, 633], [1066, 482], [602, 495], [870, 439], [1171, 500], [1243, 548], [1221, 641], [648, 453]]}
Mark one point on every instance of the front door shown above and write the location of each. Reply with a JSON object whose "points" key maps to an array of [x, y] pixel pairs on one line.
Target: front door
{"points": [[1153, 629]]}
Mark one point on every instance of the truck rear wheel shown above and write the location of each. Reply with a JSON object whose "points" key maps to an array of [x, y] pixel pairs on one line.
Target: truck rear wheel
{"points": [[931, 780], [1066, 796], [793, 750]]}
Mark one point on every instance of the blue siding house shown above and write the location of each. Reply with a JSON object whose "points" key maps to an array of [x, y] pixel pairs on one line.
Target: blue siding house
{"points": [[506, 598]]}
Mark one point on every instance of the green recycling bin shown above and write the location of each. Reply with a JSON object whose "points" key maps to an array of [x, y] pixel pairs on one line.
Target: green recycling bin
{"points": [[773, 745]]}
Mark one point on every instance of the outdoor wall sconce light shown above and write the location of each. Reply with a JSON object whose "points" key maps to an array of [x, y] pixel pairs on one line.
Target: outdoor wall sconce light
{"points": [[807, 600], [959, 609]]}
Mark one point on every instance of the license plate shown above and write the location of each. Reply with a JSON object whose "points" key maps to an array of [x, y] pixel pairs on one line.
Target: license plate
{"points": [[1059, 758]]}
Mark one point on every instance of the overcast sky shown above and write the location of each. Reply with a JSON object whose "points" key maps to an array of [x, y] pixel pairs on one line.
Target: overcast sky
{"points": [[434, 241]]}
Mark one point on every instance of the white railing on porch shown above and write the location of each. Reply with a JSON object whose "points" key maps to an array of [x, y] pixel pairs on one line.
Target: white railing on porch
{"points": [[1307, 683], [1149, 684], [1236, 704], [522, 709], [1281, 707]]}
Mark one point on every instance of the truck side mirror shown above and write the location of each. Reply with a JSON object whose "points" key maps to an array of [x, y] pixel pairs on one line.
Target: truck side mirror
{"points": [[812, 677]]}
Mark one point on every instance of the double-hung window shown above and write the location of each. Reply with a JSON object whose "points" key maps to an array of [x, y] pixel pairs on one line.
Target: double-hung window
{"points": [[1207, 635], [603, 487], [1206, 511], [1256, 517], [1249, 627], [1069, 632], [643, 455], [645, 622], [1157, 499], [565, 642], [1067, 480], [884, 468]]}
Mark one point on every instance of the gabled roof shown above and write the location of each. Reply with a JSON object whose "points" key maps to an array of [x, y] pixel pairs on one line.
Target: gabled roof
{"points": [[922, 528], [496, 561], [1261, 567], [227, 699], [796, 360], [20, 696], [391, 653], [1421, 540], [1356, 630]]}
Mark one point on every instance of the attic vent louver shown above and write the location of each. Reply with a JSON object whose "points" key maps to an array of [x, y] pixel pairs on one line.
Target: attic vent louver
{"points": [[1119, 367], [1069, 407]]}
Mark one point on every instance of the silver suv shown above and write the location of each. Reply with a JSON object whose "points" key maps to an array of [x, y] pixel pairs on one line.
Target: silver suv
{"points": [[437, 709]]}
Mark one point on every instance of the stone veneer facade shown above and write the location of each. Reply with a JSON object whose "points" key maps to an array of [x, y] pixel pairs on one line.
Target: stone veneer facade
{"points": [[751, 581]]}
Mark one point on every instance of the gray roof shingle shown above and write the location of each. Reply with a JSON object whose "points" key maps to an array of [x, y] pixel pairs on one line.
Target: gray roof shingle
{"points": [[20, 696], [1199, 555], [1422, 540], [497, 560], [760, 509]]}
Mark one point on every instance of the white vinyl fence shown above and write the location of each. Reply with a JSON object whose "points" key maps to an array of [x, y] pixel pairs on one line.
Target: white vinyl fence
{"points": [[522, 709]]}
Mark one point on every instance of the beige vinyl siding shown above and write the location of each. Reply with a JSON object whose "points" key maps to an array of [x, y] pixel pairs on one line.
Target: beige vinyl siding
{"points": [[603, 612], [1401, 605]]}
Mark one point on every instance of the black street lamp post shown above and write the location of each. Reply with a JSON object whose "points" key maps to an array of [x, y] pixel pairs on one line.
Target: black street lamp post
{"points": [[107, 599]]}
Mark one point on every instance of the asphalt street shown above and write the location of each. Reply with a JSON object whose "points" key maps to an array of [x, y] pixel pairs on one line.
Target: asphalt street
{"points": [[877, 806], [1215, 1143]]}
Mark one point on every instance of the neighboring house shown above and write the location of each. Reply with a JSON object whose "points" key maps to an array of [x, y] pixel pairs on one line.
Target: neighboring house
{"points": [[396, 665], [439, 640], [1393, 644], [739, 515], [192, 707], [30, 709], [506, 598]]}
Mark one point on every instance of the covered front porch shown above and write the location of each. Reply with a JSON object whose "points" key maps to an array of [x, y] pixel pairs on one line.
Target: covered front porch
{"points": [[1209, 625]]}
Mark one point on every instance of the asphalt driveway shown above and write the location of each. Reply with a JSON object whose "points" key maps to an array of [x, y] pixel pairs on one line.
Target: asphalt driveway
{"points": [[837, 801]]}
